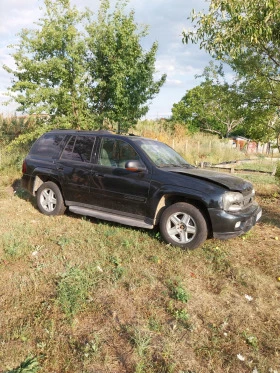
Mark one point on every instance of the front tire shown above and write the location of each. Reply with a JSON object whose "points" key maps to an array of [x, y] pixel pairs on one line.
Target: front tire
{"points": [[183, 225], [49, 199]]}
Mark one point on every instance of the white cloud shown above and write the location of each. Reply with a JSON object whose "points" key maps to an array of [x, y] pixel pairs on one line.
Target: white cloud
{"points": [[174, 82], [166, 20]]}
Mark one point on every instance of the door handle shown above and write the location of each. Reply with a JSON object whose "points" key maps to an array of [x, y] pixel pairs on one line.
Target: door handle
{"points": [[96, 173]]}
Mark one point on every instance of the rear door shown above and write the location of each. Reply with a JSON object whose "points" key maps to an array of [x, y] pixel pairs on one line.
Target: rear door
{"points": [[75, 169], [115, 188]]}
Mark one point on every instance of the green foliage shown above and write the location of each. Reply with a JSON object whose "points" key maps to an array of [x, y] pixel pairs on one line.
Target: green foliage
{"points": [[214, 106], [245, 35], [13, 126], [73, 290], [277, 172], [117, 269], [13, 247], [30, 365], [139, 339], [154, 324], [180, 314], [229, 28], [251, 340], [121, 71], [51, 70], [83, 73], [216, 257], [178, 292], [91, 348]]}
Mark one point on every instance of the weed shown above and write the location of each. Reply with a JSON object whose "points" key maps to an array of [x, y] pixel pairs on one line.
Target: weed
{"points": [[251, 340], [63, 241], [126, 244], [73, 289], [216, 257], [180, 314], [117, 270], [155, 259], [140, 367], [141, 340], [92, 347], [154, 324], [12, 246], [277, 171], [178, 292], [30, 365]]}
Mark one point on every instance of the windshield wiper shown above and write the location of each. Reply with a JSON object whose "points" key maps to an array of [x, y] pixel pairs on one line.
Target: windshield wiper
{"points": [[187, 165]]}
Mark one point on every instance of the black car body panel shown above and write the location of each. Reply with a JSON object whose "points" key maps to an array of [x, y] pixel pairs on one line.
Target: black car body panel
{"points": [[78, 162], [225, 180]]}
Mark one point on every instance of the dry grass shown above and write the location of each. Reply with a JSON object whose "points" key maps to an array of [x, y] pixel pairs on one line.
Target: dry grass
{"points": [[195, 148], [88, 296]]}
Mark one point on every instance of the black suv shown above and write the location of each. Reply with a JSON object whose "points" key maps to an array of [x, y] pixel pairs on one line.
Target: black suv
{"points": [[138, 182]]}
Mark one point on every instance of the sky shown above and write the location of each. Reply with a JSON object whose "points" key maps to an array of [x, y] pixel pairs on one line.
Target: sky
{"points": [[166, 20]]}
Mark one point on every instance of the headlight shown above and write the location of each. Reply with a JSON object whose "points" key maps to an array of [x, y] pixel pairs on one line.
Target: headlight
{"points": [[233, 201]]}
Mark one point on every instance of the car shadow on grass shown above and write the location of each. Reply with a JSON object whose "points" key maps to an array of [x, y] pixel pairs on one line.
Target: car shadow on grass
{"points": [[271, 217], [22, 193]]}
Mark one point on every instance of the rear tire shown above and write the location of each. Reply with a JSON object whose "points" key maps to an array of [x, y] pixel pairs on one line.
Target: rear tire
{"points": [[49, 199], [183, 225]]}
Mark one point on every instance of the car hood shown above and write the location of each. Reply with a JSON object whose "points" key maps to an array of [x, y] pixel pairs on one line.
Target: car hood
{"points": [[229, 181]]}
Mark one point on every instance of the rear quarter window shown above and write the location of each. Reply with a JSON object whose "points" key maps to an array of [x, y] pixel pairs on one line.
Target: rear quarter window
{"points": [[79, 148], [49, 145]]}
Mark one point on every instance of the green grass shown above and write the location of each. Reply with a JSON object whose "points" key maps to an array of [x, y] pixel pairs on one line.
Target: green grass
{"points": [[259, 179], [83, 295], [261, 165]]}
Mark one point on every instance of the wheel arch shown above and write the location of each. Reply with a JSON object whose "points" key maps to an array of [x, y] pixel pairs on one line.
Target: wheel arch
{"points": [[170, 199], [41, 179]]}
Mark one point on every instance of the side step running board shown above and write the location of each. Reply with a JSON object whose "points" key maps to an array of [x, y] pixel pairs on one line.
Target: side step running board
{"points": [[111, 217]]}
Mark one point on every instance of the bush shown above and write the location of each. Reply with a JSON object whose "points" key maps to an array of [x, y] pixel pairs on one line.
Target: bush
{"points": [[277, 172]]}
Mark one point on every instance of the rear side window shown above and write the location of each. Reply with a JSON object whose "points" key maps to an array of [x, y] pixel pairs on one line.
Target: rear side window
{"points": [[79, 148], [49, 145]]}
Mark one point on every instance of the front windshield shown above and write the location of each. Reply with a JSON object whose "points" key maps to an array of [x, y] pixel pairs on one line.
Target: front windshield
{"points": [[162, 155]]}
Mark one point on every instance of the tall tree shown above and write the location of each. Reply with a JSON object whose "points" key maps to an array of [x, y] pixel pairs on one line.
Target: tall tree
{"points": [[81, 71], [51, 69], [245, 35], [213, 106], [121, 72], [240, 27]]}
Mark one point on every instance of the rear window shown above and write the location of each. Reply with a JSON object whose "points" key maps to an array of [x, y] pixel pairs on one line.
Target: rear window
{"points": [[49, 145]]}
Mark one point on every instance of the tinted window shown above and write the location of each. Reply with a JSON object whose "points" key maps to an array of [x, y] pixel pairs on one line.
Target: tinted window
{"points": [[48, 145], [79, 148], [115, 153]]}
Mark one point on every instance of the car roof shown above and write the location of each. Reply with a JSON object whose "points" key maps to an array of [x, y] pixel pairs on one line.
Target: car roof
{"points": [[129, 136]]}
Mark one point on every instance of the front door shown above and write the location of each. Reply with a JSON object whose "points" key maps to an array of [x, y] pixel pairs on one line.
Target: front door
{"points": [[115, 188]]}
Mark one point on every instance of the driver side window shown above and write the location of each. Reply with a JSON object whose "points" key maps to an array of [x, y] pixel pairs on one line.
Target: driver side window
{"points": [[115, 153]]}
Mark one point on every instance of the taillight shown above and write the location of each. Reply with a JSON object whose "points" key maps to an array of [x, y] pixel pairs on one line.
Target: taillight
{"points": [[24, 167]]}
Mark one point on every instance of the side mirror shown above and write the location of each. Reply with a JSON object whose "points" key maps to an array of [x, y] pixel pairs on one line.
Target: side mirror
{"points": [[134, 166]]}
